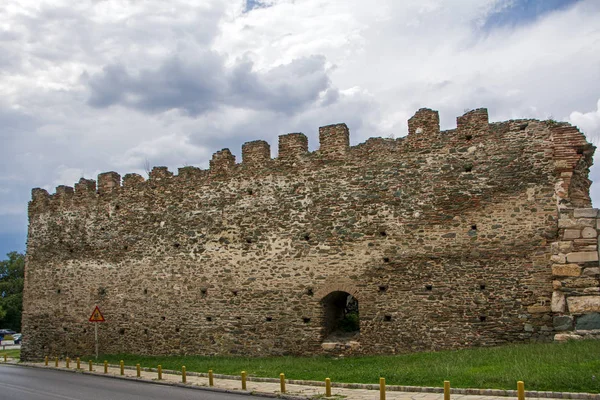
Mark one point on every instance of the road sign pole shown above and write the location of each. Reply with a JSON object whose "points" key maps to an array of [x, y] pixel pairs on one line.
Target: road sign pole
{"points": [[96, 336]]}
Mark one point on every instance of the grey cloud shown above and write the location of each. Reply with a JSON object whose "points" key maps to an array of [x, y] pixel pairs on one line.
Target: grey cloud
{"points": [[206, 83]]}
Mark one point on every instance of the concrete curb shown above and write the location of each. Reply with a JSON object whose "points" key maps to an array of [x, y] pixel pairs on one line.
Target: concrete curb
{"points": [[392, 388], [395, 388]]}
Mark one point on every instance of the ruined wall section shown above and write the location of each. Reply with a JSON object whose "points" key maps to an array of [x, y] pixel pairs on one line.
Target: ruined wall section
{"points": [[576, 275], [443, 237]]}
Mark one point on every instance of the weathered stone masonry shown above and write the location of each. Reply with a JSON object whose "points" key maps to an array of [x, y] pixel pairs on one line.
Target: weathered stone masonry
{"points": [[467, 237]]}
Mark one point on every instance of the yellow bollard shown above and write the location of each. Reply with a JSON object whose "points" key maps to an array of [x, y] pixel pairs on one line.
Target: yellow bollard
{"points": [[68, 361], [327, 387], [521, 390], [183, 374], [91, 366], [381, 388], [446, 390], [122, 367], [105, 367], [78, 363], [138, 370], [159, 372], [211, 380], [46, 361], [56, 361], [282, 382], [243, 380]]}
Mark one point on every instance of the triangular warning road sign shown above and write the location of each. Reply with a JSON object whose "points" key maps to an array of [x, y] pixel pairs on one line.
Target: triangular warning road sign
{"points": [[96, 316]]}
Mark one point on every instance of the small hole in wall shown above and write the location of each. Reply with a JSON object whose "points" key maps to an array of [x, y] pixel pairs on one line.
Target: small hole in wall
{"points": [[163, 317], [176, 329], [382, 233], [238, 317], [482, 318], [522, 127], [84, 330], [65, 328], [35, 327], [145, 331], [57, 291], [269, 319], [249, 191], [234, 292], [248, 240], [306, 320], [310, 291], [473, 227], [125, 247], [307, 237], [482, 286], [176, 245], [386, 259], [145, 291], [382, 288], [122, 331], [117, 207], [71, 251], [203, 292], [468, 168], [469, 137], [209, 319], [429, 287], [387, 318]]}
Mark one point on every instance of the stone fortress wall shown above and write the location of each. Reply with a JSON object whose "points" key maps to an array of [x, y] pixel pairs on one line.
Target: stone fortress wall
{"points": [[446, 239]]}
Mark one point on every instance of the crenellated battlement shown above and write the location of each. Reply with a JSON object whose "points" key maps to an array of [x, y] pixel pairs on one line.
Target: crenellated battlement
{"points": [[570, 150], [256, 153], [474, 123]]}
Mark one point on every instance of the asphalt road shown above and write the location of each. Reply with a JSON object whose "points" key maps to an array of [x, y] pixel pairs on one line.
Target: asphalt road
{"points": [[22, 383]]}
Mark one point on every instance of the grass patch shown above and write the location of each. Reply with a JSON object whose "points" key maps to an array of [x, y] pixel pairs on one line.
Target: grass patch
{"points": [[570, 367], [14, 353]]}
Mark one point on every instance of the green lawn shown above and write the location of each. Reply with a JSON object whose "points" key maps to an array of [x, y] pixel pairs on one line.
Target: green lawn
{"points": [[15, 353], [572, 367]]}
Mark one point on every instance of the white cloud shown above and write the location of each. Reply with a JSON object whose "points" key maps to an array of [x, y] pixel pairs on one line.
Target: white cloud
{"points": [[588, 122]]}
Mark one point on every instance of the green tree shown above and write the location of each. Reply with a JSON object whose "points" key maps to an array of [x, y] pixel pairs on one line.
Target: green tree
{"points": [[11, 291]]}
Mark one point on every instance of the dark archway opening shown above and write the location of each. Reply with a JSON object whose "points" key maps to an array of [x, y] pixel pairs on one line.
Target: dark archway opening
{"points": [[341, 316]]}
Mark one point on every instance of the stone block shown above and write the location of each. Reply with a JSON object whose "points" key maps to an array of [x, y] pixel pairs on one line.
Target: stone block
{"points": [[329, 346], [563, 337], [583, 222], [559, 258], [591, 271], [556, 284], [571, 234], [566, 270], [538, 309], [566, 222], [588, 322], [588, 233], [563, 322], [585, 212], [558, 301], [585, 256], [562, 247], [583, 304]]}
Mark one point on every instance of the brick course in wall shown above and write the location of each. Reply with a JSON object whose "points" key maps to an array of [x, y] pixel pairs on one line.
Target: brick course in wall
{"points": [[447, 239]]}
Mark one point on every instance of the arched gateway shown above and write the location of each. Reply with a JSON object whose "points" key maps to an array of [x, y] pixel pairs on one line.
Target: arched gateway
{"points": [[341, 318]]}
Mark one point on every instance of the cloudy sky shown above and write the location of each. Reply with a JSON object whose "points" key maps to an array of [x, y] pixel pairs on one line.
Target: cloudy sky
{"points": [[94, 86]]}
